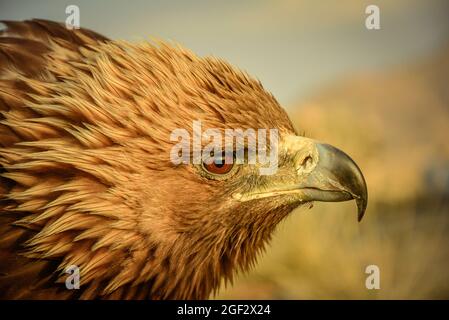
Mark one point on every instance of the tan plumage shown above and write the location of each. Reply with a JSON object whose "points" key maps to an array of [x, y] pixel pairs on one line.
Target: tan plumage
{"points": [[85, 173]]}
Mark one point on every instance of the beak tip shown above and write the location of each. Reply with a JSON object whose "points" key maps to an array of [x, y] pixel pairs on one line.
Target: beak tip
{"points": [[361, 206]]}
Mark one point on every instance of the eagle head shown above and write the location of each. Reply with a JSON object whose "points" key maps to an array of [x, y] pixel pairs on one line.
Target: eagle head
{"points": [[87, 177]]}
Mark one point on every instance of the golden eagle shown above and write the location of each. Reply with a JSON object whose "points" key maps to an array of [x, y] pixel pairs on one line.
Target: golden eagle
{"points": [[86, 178]]}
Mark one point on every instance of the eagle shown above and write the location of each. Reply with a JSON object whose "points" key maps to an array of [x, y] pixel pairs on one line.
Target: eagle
{"points": [[86, 178]]}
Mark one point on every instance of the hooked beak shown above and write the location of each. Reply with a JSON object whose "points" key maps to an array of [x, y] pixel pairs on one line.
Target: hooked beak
{"points": [[316, 172], [336, 177]]}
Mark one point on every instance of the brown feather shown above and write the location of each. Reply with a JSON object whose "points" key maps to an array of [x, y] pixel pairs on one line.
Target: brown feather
{"points": [[85, 177]]}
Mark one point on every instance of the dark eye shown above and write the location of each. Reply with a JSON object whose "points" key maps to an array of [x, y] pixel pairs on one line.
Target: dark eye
{"points": [[219, 166]]}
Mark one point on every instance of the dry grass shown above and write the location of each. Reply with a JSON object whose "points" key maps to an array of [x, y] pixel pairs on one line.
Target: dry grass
{"points": [[323, 253]]}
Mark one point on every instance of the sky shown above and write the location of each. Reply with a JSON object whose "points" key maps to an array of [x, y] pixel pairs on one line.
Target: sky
{"points": [[294, 47]]}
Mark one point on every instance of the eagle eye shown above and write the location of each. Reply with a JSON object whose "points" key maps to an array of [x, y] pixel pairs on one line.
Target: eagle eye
{"points": [[221, 167], [218, 168]]}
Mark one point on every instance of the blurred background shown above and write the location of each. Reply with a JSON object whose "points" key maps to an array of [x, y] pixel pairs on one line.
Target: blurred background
{"points": [[380, 95]]}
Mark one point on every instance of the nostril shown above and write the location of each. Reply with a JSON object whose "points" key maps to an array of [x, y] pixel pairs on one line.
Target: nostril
{"points": [[305, 165], [307, 162]]}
